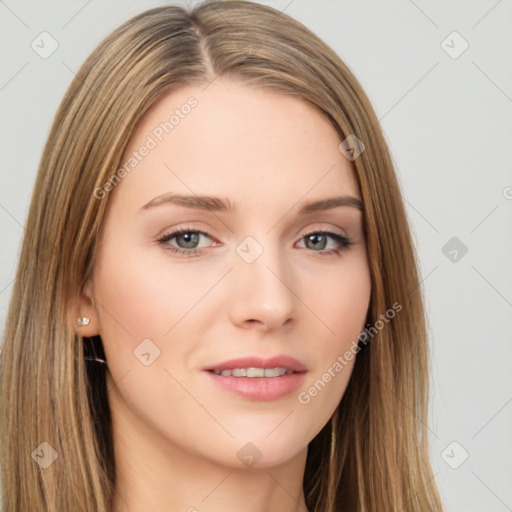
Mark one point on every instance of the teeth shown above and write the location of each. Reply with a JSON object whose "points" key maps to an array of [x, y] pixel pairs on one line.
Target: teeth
{"points": [[254, 372]]}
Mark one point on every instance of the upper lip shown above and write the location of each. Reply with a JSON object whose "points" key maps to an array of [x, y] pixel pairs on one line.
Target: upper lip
{"points": [[281, 361]]}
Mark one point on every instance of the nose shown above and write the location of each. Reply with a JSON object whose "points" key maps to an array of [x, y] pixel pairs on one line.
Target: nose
{"points": [[262, 294]]}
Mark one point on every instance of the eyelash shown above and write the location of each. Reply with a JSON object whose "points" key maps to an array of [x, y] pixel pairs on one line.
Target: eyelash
{"points": [[343, 241]]}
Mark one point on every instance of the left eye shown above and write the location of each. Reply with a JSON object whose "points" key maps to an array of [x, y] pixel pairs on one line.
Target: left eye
{"points": [[318, 241]]}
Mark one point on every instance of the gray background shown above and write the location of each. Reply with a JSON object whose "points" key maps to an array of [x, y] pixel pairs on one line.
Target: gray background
{"points": [[448, 122]]}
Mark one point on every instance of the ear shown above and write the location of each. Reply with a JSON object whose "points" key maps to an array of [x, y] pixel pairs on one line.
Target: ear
{"points": [[83, 305]]}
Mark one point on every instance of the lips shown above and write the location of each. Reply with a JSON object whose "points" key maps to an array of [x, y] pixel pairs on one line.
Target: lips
{"points": [[280, 361], [256, 387]]}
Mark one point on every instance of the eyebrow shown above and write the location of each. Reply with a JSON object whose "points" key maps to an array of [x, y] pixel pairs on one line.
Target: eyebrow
{"points": [[219, 204]]}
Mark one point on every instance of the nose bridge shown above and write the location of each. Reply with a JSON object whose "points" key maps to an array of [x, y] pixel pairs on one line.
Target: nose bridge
{"points": [[262, 289]]}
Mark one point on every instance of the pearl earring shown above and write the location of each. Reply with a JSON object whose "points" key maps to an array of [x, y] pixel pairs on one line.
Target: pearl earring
{"points": [[82, 320]]}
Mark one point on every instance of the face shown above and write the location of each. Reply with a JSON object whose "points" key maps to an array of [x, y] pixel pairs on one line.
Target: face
{"points": [[184, 283]]}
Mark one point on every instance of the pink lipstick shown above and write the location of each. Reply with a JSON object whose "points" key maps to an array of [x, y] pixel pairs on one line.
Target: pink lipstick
{"points": [[256, 378]]}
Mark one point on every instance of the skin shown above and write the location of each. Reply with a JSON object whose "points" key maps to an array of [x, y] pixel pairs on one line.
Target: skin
{"points": [[177, 435]]}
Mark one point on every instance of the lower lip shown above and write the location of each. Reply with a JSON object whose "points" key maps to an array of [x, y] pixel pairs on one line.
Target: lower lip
{"points": [[259, 388]]}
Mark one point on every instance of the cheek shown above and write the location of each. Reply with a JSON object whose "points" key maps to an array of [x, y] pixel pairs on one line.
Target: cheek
{"points": [[340, 303], [341, 299], [127, 300], [139, 299]]}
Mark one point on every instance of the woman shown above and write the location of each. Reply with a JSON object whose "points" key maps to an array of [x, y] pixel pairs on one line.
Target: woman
{"points": [[217, 301]]}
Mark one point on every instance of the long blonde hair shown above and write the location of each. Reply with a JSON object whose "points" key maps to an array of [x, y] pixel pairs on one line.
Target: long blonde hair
{"points": [[373, 454]]}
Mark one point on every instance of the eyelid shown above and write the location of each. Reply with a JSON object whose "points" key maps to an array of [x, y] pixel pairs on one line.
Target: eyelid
{"points": [[309, 230], [173, 233]]}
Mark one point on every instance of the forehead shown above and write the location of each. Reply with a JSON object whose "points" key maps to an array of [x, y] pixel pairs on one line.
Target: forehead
{"points": [[245, 143]]}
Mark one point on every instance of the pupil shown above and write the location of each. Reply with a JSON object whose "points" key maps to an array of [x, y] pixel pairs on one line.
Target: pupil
{"points": [[190, 240], [316, 239]]}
